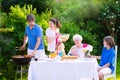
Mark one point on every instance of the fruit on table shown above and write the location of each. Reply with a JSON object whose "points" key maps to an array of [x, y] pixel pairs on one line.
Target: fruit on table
{"points": [[52, 55]]}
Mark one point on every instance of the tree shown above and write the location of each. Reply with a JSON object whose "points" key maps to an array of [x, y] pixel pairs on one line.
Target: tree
{"points": [[110, 17], [40, 5]]}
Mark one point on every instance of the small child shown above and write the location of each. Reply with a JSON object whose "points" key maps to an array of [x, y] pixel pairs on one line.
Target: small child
{"points": [[60, 49], [73, 52]]}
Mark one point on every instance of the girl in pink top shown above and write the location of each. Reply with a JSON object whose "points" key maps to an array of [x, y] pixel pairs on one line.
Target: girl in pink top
{"points": [[52, 34]]}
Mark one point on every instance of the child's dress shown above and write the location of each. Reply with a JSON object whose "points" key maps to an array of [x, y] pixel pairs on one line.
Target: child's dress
{"points": [[51, 46]]}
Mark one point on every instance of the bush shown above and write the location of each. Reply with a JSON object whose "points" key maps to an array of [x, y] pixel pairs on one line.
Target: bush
{"points": [[91, 39], [69, 28], [72, 29], [3, 20], [75, 10], [17, 20], [7, 50], [43, 19], [11, 36], [40, 5], [98, 30], [83, 15]]}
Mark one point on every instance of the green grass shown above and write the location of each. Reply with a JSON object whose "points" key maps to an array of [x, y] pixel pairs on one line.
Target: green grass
{"points": [[118, 68]]}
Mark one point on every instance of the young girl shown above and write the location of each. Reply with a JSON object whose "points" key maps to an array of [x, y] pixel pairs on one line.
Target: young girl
{"points": [[60, 49], [107, 57], [52, 34]]}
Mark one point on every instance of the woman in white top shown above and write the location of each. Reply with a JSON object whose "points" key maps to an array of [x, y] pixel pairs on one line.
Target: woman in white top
{"points": [[52, 34], [79, 49]]}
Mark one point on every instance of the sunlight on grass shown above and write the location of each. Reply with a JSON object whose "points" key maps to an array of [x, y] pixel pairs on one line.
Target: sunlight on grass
{"points": [[113, 79]]}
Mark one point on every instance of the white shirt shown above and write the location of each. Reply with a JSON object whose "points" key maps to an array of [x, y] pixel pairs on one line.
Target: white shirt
{"points": [[80, 51], [50, 33]]}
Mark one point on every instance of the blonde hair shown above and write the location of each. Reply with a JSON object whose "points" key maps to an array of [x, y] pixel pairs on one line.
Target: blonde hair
{"points": [[77, 37]]}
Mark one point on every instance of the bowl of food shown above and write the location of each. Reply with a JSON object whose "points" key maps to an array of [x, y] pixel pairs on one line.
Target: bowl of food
{"points": [[64, 37]]}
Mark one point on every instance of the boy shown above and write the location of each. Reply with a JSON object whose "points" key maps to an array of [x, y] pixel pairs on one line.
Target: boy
{"points": [[106, 65]]}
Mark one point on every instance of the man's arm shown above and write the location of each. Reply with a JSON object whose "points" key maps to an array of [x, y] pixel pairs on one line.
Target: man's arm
{"points": [[36, 46], [24, 43]]}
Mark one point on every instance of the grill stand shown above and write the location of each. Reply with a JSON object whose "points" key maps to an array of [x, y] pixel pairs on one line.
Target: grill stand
{"points": [[19, 71]]}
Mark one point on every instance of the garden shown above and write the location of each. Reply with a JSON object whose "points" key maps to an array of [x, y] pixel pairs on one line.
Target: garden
{"points": [[93, 19]]}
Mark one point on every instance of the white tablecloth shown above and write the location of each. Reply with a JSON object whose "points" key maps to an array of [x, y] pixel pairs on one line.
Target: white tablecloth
{"points": [[83, 69]]}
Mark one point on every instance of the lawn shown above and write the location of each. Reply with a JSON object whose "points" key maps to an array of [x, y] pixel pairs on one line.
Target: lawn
{"points": [[118, 68]]}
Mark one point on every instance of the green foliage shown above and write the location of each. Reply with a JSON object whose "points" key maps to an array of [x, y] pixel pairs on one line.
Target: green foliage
{"points": [[75, 10], [5, 30], [118, 64], [3, 20], [72, 29], [91, 16], [10, 69], [80, 12], [17, 20], [91, 39], [7, 50], [109, 17], [93, 19], [93, 27], [44, 18], [11, 35], [40, 5], [6, 45], [69, 28]]}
